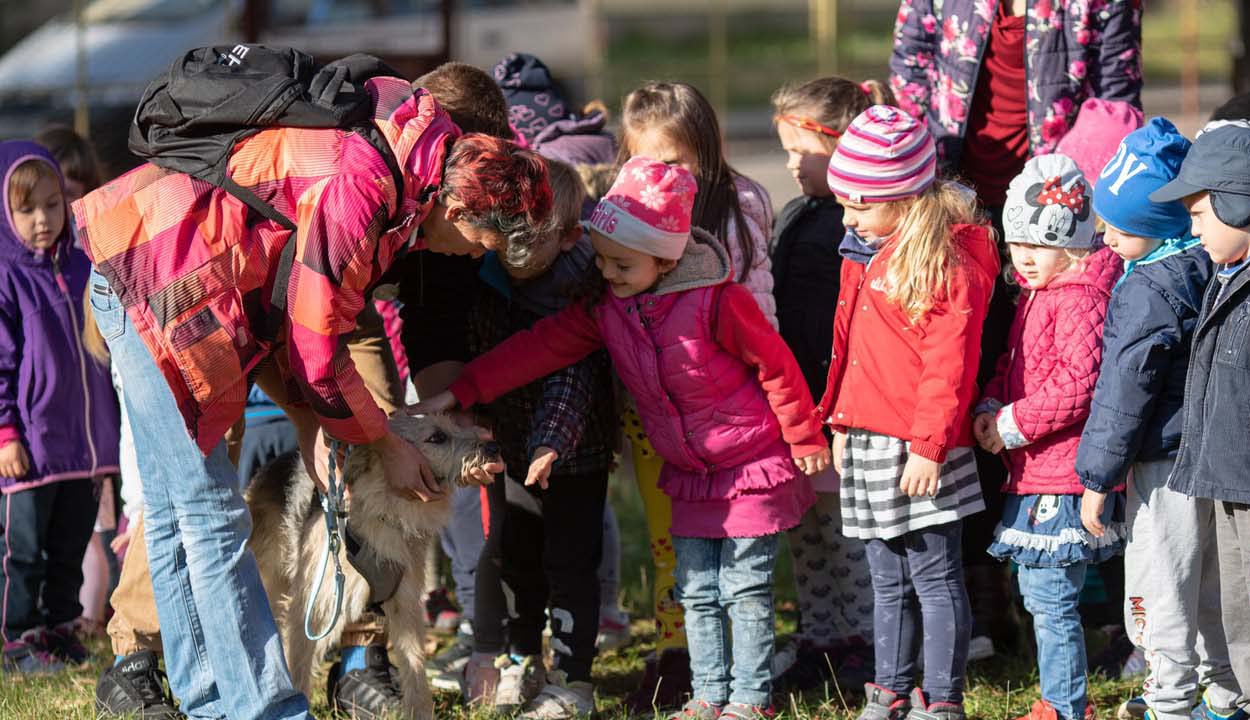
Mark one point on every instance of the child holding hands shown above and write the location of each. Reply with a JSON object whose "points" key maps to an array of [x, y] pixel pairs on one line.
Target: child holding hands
{"points": [[722, 401]]}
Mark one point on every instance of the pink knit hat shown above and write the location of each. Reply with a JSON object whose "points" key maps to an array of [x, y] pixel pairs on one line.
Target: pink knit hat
{"points": [[1095, 136], [884, 155], [648, 208]]}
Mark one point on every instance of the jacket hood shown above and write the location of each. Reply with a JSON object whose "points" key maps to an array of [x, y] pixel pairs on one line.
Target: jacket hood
{"points": [[1100, 270], [978, 245], [592, 124], [418, 131], [704, 263], [551, 291], [13, 154]]}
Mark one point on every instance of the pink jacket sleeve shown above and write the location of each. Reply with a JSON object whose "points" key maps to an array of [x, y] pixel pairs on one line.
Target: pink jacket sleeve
{"points": [[743, 332], [554, 342], [1064, 398]]}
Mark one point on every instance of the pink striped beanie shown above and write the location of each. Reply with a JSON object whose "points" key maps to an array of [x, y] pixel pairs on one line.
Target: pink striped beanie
{"points": [[884, 155]]}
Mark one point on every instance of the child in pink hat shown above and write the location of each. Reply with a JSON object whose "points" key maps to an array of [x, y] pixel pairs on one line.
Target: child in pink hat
{"points": [[1096, 135], [723, 402]]}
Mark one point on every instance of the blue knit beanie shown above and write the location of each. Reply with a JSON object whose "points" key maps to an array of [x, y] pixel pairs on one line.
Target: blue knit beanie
{"points": [[1147, 160]]}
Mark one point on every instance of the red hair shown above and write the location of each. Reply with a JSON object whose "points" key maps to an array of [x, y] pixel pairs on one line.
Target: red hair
{"points": [[503, 187]]}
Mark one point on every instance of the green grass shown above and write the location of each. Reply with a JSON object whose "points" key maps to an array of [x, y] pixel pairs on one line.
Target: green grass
{"points": [[766, 50], [1001, 689]]}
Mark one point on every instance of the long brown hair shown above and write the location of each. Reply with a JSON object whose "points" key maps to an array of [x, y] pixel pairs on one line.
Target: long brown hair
{"points": [[687, 118]]}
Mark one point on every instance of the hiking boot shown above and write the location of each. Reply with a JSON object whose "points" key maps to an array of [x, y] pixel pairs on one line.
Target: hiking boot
{"points": [[370, 693], [881, 704], [520, 681], [697, 710], [441, 614], [1132, 709], [446, 669], [62, 642], [922, 709], [666, 683], [1110, 661], [27, 656], [560, 699], [1206, 711], [855, 666], [135, 688], [481, 680], [742, 711], [809, 666]]}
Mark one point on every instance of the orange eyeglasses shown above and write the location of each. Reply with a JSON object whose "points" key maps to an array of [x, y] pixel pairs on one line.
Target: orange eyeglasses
{"points": [[806, 123]]}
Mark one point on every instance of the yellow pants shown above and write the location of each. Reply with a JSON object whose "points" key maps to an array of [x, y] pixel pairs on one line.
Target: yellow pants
{"points": [[670, 623]]}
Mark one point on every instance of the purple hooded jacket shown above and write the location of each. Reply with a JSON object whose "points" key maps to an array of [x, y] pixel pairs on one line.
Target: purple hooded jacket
{"points": [[54, 397], [1074, 50]]}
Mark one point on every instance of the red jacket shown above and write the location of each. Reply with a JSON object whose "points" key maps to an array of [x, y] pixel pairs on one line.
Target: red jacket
{"points": [[1046, 379], [912, 382]]}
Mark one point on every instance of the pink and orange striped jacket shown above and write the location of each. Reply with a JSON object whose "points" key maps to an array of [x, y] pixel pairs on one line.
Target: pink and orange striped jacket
{"points": [[195, 271]]}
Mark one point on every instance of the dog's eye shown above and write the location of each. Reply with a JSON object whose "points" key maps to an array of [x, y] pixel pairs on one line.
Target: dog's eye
{"points": [[438, 437]]}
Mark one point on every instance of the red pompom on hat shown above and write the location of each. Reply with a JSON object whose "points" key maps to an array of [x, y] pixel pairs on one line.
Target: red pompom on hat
{"points": [[648, 208]]}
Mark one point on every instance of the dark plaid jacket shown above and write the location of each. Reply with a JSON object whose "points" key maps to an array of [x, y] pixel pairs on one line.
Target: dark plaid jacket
{"points": [[571, 411]]}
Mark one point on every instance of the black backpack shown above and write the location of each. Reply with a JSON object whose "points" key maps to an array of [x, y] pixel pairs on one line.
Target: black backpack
{"points": [[190, 118]]}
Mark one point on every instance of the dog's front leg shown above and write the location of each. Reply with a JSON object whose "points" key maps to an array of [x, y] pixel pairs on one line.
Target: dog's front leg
{"points": [[406, 629]]}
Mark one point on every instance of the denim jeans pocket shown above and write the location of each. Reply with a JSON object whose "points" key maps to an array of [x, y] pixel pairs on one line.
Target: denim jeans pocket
{"points": [[110, 317]]}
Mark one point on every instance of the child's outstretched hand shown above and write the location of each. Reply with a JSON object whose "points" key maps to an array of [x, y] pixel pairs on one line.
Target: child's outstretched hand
{"points": [[814, 463], [920, 476], [440, 403], [540, 466], [14, 462], [1092, 503]]}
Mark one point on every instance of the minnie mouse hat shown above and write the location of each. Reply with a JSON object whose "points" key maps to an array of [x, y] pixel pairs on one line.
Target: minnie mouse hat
{"points": [[648, 208], [1049, 203]]}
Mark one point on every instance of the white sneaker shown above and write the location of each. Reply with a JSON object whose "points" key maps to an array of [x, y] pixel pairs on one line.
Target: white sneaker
{"points": [[981, 648], [561, 700], [519, 682]]}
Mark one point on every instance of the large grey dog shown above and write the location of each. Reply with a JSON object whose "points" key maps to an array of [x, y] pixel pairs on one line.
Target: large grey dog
{"points": [[289, 534]]}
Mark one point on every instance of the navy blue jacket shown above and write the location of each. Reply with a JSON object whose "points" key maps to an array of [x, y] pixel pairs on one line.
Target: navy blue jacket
{"points": [[1136, 411], [806, 273], [1215, 442]]}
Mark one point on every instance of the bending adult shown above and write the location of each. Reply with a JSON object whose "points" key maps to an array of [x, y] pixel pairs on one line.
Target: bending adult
{"points": [[182, 294]]}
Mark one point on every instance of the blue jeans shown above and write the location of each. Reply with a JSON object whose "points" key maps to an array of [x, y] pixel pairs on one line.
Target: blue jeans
{"points": [[462, 541], [1051, 595], [222, 650], [922, 567], [726, 583]]}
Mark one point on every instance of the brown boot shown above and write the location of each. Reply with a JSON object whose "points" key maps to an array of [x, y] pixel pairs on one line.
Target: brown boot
{"points": [[666, 683]]}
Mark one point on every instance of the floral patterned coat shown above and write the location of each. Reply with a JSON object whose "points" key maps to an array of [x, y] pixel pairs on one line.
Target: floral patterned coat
{"points": [[1074, 50]]}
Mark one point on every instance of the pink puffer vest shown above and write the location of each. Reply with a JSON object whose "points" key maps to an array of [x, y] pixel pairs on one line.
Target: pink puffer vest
{"points": [[702, 408]]}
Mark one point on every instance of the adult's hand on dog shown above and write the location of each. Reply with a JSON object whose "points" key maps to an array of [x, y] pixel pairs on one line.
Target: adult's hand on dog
{"points": [[315, 451], [406, 469], [540, 467]]}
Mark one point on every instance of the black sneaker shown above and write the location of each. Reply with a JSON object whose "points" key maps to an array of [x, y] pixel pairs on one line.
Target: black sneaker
{"points": [[368, 694], [62, 642], [135, 688]]}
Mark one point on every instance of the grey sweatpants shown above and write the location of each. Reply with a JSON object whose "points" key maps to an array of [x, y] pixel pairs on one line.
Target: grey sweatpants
{"points": [[1232, 530], [1172, 595]]}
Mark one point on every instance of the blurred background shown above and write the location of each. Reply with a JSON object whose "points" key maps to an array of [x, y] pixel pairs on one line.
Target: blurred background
{"points": [[85, 62]]}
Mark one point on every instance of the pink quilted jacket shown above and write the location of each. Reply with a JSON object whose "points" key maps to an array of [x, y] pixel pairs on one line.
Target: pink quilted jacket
{"points": [[757, 210], [1045, 381]]}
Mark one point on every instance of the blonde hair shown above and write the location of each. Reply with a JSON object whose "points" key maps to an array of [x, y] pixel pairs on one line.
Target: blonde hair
{"points": [[568, 195], [919, 272], [92, 340]]}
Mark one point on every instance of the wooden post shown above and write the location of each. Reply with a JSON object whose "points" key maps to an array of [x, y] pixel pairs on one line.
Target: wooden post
{"points": [[718, 55], [82, 119], [1190, 78], [824, 15], [596, 50]]}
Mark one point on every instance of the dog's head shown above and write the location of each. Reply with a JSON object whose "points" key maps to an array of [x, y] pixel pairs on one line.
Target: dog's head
{"points": [[452, 450]]}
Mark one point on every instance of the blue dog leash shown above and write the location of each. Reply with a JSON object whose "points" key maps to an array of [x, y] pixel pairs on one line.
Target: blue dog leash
{"points": [[335, 517]]}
